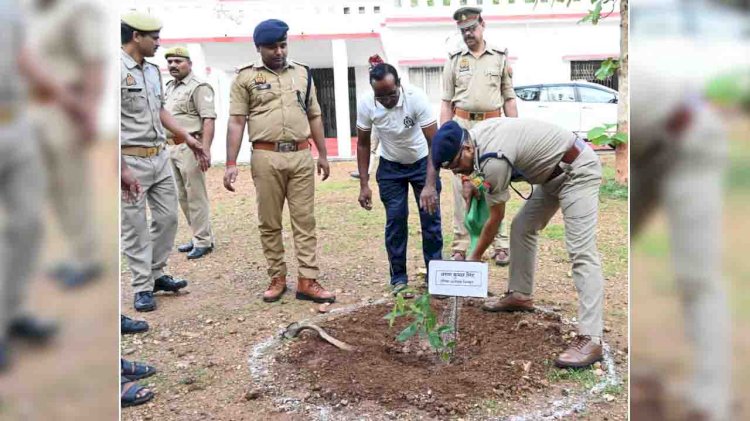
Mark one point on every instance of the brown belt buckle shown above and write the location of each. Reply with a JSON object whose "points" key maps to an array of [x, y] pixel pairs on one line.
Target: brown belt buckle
{"points": [[286, 146], [476, 116]]}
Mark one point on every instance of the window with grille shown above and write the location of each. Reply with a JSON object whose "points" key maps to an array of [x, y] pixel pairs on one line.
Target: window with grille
{"points": [[585, 70], [429, 79]]}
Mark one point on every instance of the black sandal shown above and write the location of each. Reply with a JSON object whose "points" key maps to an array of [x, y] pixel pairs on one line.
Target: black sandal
{"points": [[403, 289], [132, 370], [131, 393]]}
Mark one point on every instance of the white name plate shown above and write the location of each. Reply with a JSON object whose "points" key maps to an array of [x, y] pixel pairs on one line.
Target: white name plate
{"points": [[462, 279]]}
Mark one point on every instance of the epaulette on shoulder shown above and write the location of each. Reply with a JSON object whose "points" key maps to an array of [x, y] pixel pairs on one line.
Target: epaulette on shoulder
{"points": [[455, 53], [499, 50], [198, 80], [300, 64], [243, 67], [170, 82]]}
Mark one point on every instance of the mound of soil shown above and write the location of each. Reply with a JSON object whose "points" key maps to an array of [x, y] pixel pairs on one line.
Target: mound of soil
{"points": [[499, 356]]}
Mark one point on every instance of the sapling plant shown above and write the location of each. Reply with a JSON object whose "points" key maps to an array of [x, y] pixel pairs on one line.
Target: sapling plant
{"points": [[424, 323]]}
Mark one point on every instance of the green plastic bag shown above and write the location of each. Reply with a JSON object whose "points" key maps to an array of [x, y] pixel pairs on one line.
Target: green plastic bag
{"points": [[730, 89], [479, 213]]}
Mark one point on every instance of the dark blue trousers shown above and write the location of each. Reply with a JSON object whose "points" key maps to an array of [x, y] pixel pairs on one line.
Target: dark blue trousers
{"points": [[393, 182]]}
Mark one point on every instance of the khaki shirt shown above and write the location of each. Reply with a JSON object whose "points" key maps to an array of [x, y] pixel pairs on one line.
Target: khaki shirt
{"points": [[69, 35], [273, 102], [141, 101], [534, 147], [190, 101], [477, 84]]}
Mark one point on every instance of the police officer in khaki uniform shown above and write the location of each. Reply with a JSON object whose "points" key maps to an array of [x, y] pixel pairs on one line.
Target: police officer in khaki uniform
{"points": [[142, 140], [477, 86], [191, 102], [21, 182], [566, 175], [678, 149], [67, 35], [276, 98]]}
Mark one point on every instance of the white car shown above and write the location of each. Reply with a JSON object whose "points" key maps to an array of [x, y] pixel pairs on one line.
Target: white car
{"points": [[577, 106]]}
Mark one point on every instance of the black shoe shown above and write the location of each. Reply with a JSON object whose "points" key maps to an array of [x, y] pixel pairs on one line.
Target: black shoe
{"points": [[144, 301], [185, 247], [32, 329], [199, 252], [169, 284], [74, 278], [128, 325], [4, 356]]}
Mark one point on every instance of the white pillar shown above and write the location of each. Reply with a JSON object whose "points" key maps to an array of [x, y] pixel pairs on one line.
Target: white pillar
{"points": [[341, 95], [198, 57]]}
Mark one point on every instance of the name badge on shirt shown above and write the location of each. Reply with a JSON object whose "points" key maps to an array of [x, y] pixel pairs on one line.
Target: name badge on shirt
{"points": [[263, 86], [135, 89]]}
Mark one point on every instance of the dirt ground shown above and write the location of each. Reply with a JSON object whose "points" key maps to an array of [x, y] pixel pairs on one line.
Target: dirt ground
{"points": [[201, 340], [517, 349]]}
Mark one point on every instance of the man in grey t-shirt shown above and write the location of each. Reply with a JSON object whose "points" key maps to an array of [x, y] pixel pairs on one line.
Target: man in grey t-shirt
{"points": [[566, 175]]}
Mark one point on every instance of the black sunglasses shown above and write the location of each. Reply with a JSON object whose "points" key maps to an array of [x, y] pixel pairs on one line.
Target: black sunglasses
{"points": [[389, 97]]}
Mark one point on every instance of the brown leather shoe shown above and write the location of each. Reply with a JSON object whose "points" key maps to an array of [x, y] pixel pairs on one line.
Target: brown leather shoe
{"points": [[275, 290], [310, 289], [458, 255], [501, 257], [582, 353], [509, 302]]}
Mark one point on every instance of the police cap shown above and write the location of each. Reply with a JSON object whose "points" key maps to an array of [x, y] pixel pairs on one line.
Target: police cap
{"points": [[446, 144], [141, 21], [270, 31], [466, 17], [177, 52]]}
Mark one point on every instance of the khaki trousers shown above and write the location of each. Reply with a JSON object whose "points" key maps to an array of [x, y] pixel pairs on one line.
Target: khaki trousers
{"points": [[686, 176], [290, 177], [147, 244], [21, 201], [576, 192], [69, 182], [192, 194], [460, 235]]}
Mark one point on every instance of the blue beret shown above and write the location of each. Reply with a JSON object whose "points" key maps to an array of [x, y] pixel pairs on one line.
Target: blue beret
{"points": [[446, 144], [270, 31]]}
